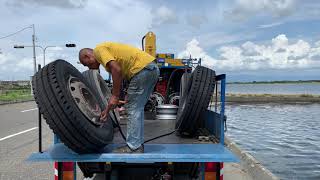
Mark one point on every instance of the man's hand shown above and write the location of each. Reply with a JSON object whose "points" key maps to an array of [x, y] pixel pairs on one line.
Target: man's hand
{"points": [[112, 103]]}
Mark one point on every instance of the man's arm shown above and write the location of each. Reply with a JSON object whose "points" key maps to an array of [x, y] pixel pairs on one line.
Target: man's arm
{"points": [[115, 70]]}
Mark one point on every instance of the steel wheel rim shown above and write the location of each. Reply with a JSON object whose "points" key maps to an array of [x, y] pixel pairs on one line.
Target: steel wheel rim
{"points": [[85, 100]]}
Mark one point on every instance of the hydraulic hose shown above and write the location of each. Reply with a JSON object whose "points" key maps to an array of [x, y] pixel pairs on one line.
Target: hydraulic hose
{"points": [[168, 83], [116, 122], [142, 42]]}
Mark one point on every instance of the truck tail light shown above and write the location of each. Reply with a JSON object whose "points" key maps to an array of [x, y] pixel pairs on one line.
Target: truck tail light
{"points": [[213, 171], [66, 170]]}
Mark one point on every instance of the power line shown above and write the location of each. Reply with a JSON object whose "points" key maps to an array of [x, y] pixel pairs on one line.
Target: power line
{"points": [[14, 33]]}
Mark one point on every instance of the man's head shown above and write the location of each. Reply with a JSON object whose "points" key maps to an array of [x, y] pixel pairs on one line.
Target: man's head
{"points": [[87, 58]]}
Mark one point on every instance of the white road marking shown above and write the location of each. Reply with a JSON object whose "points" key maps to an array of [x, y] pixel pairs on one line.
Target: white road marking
{"points": [[12, 135], [29, 110]]}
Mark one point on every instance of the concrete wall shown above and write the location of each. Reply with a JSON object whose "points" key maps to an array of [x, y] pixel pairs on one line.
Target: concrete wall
{"points": [[19, 83], [247, 162]]}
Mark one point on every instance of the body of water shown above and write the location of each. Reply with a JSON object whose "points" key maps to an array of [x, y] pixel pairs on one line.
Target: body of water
{"points": [[298, 88], [284, 138]]}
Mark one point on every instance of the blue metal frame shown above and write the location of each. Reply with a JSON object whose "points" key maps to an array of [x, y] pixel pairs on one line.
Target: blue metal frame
{"points": [[222, 100], [153, 153], [214, 121]]}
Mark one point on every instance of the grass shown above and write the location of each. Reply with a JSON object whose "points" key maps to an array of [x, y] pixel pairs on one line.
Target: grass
{"points": [[15, 95]]}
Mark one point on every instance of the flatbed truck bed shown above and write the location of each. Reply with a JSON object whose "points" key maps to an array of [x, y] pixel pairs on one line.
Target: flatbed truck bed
{"points": [[169, 149]]}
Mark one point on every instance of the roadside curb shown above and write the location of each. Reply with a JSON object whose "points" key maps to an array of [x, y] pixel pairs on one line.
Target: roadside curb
{"points": [[14, 102], [254, 168]]}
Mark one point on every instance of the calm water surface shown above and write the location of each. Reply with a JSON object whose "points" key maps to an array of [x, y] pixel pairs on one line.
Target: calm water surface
{"points": [[302, 88], [284, 138]]}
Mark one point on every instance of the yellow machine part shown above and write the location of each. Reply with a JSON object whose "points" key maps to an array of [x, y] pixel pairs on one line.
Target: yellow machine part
{"points": [[174, 62], [150, 43], [150, 48], [167, 55]]}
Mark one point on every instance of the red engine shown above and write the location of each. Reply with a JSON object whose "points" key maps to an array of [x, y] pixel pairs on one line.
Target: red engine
{"points": [[161, 87]]}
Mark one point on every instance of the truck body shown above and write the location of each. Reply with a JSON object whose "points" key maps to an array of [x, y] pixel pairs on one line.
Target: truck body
{"points": [[169, 157]]}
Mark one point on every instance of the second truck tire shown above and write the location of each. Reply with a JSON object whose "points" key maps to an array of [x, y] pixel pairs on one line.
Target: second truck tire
{"points": [[71, 108], [185, 78], [101, 88], [197, 93]]}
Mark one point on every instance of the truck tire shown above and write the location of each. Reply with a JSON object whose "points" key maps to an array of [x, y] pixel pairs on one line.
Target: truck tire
{"points": [[186, 170], [85, 169], [71, 108], [101, 88], [197, 94], [89, 169], [185, 78]]}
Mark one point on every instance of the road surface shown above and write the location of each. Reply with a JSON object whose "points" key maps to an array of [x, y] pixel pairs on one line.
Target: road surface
{"points": [[18, 139]]}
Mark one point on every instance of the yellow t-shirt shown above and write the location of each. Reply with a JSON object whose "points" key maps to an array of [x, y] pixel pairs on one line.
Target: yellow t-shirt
{"points": [[130, 59]]}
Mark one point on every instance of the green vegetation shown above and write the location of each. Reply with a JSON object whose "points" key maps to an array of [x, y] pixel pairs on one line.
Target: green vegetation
{"points": [[308, 95], [277, 82], [16, 93]]}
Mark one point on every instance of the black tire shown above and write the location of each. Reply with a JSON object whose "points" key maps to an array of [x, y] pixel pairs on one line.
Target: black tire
{"points": [[90, 168], [185, 79], [197, 94], [85, 169], [62, 114], [101, 88], [186, 170]]}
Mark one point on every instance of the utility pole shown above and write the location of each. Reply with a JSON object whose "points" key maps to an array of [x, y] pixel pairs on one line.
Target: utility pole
{"points": [[34, 50]]}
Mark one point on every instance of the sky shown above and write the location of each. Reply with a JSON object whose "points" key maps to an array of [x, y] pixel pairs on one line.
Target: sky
{"points": [[261, 40]]}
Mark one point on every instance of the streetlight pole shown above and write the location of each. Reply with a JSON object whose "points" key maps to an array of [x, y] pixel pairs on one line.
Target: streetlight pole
{"points": [[34, 50], [43, 49], [44, 54]]}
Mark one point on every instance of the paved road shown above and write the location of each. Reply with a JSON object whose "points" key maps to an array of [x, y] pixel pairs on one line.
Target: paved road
{"points": [[18, 139]]}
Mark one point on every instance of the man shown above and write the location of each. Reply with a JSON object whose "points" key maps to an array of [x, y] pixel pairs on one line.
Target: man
{"points": [[136, 66]]}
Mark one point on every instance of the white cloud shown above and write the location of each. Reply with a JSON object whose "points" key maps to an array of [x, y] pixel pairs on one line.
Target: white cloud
{"points": [[277, 54], [14, 66], [97, 21], [250, 49], [220, 38], [262, 26], [55, 3], [163, 15], [3, 59], [280, 41], [193, 49], [317, 44], [88, 23], [244, 9]]}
